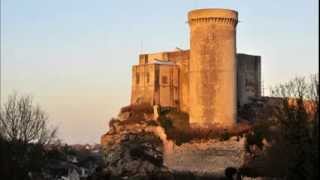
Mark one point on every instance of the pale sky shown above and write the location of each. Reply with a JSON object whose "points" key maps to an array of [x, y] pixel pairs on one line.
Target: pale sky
{"points": [[75, 56]]}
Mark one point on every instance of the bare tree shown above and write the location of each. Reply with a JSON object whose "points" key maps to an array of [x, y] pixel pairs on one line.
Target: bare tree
{"points": [[297, 117], [313, 95], [292, 126], [22, 121]]}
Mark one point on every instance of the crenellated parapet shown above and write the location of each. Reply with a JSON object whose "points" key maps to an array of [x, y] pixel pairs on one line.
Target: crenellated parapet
{"points": [[217, 16], [217, 20]]}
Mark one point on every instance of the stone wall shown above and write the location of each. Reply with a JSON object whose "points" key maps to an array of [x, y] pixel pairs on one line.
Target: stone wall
{"points": [[213, 156], [168, 86], [142, 85], [155, 84], [248, 77], [181, 59]]}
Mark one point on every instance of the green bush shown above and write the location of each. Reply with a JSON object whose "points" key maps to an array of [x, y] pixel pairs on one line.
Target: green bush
{"points": [[166, 124], [187, 134], [137, 108], [225, 136]]}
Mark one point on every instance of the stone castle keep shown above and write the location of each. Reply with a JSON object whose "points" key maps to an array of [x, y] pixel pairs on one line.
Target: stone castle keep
{"points": [[209, 81]]}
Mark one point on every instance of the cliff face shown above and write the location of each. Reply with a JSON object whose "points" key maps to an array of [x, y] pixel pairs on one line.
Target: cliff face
{"points": [[136, 146]]}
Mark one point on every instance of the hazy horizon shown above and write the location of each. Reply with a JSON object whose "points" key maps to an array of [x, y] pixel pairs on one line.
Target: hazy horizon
{"points": [[74, 57]]}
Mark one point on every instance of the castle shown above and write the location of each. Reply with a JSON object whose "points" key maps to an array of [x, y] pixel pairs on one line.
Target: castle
{"points": [[209, 81]]}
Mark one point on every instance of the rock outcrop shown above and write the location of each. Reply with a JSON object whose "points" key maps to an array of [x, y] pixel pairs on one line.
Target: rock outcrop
{"points": [[134, 148]]}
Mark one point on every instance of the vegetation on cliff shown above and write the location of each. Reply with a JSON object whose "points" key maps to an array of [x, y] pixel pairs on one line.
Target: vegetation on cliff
{"points": [[178, 129]]}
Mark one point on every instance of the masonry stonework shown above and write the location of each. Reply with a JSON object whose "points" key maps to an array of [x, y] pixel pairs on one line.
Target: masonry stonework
{"points": [[212, 67], [209, 80]]}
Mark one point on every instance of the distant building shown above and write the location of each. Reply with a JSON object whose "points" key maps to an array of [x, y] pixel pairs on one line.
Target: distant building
{"points": [[209, 81]]}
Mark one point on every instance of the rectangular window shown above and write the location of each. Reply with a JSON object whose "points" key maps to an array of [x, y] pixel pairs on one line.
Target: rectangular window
{"points": [[146, 59], [164, 80], [148, 77], [137, 78]]}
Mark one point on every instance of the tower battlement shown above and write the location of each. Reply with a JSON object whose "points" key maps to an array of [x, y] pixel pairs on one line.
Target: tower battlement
{"points": [[219, 16]]}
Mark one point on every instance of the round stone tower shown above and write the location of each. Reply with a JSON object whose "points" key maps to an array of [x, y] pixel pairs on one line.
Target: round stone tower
{"points": [[212, 93]]}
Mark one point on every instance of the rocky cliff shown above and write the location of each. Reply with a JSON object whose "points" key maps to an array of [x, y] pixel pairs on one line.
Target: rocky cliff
{"points": [[136, 146]]}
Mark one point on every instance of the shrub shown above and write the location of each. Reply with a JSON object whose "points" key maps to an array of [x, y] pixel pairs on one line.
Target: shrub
{"points": [[137, 108], [260, 130], [293, 153], [225, 136], [180, 120], [180, 135], [136, 112], [166, 124]]}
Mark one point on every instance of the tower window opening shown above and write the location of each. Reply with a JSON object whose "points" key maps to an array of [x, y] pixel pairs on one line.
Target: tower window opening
{"points": [[137, 78], [164, 80], [148, 77]]}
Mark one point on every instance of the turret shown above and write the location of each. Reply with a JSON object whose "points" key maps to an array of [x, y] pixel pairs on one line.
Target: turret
{"points": [[212, 83]]}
